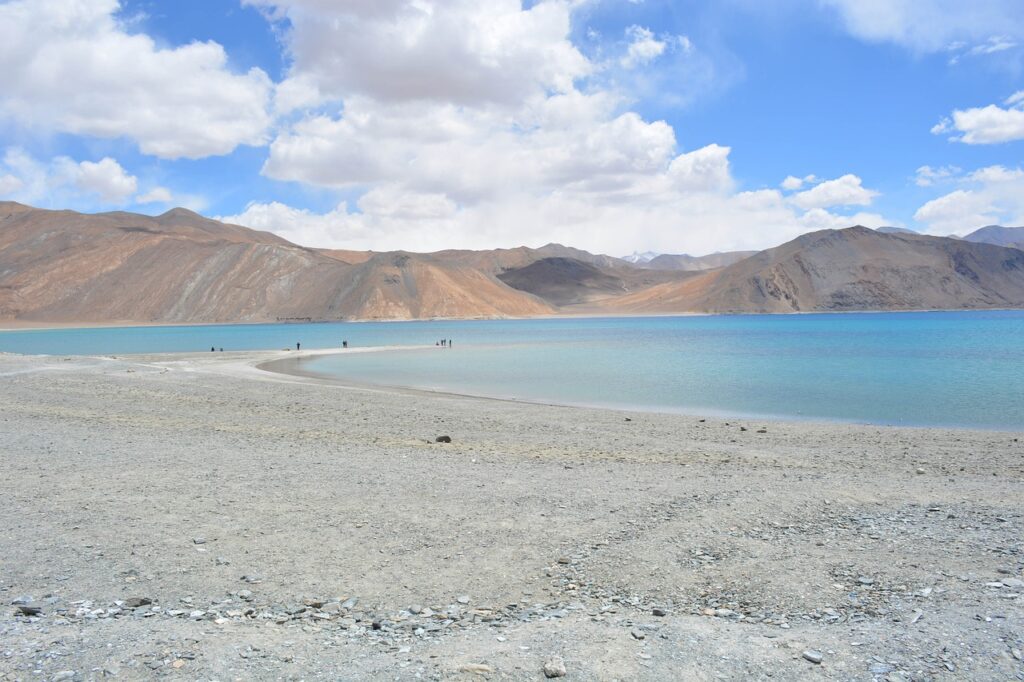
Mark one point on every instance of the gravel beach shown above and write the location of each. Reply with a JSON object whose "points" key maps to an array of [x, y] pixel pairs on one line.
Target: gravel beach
{"points": [[194, 517]]}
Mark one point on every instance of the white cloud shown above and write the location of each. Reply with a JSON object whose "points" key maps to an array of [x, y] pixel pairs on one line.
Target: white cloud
{"points": [[62, 181], [643, 47], [927, 176], [105, 178], [459, 51], [792, 183], [990, 195], [933, 25], [843, 191], [71, 67], [500, 135], [9, 185], [157, 195], [991, 124]]}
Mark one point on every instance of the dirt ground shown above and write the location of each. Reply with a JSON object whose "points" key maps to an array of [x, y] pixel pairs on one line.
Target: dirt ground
{"points": [[194, 518]]}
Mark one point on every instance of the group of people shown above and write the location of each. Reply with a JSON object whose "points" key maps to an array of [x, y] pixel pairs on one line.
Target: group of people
{"points": [[444, 343]]}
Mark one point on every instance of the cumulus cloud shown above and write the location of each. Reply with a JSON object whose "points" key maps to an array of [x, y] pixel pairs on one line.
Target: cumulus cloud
{"points": [[62, 181], [104, 178], [843, 191], [157, 195], [991, 124], [501, 135], [458, 51], [990, 195], [71, 67], [643, 47], [934, 25]]}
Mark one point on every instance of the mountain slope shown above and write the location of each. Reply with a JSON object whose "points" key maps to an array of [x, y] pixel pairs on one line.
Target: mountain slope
{"points": [[998, 235], [688, 263], [61, 266], [852, 269]]}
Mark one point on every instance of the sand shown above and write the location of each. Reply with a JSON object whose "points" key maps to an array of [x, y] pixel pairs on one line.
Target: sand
{"points": [[289, 528]]}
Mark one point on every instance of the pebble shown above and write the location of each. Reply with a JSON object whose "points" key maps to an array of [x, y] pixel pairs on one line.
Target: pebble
{"points": [[463, 599], [349, 603], [813, 656], [443, 439], [555, 667], [659, 611], [478, 668], [199, 541], [1013, 582], [136, 602], [637, 634], [30, 609]]}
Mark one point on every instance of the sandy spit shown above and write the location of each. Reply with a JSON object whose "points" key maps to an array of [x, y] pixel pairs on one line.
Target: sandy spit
{"points": [[194, 517]]}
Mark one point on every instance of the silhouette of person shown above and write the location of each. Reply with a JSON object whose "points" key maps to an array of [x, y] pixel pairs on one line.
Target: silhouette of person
{"points": [[298, 346], [212, 349]]}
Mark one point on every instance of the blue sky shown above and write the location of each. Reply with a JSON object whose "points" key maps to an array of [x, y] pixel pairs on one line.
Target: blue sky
{"points": [[612, 125]]}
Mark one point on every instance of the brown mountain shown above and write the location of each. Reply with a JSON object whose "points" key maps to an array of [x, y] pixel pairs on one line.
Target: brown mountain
{"points": [[61, 266], [998, 235], [851, 269], [686, 262]]}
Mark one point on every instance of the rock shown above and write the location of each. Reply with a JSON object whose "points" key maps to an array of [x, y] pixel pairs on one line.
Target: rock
{"points": [[349, 603], [416, 609], [477, 668], [332, 607], [864, 580], [64, 675], [920, 471], [245, 595], [136, 602], [24, 599], [443, 439], [1013, 582], [637, 634], [30, 609], [564, 560], [555, 667], [199, 541], [464, 599], [659, 611], [813, 656], [251, 579]]}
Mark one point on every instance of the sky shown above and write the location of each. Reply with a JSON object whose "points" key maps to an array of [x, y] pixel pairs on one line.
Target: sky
{"points": [[610, 125]]}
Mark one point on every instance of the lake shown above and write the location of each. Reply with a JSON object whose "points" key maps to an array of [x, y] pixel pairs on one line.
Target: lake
{"points": [[923, 369]]}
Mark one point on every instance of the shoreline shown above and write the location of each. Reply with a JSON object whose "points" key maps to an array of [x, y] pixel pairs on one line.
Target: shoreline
{"points": [[16, 326]]}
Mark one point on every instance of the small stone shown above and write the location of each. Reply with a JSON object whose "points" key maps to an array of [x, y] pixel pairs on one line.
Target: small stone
{"points": [[199, 541], [416, 609], [443, 439], [64, 675], [245, 595], [30, 609], [349, 603], [637, 634], [659, 611], [564, 560], [813, 656], [555, 667], [464, 599], [1013, 582], [136, 602], [864, 580], [476, 668], [178, 664], [920, 471]]}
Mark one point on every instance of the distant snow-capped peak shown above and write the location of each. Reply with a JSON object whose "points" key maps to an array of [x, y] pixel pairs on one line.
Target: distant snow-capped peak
{"points": [[637, 257]]}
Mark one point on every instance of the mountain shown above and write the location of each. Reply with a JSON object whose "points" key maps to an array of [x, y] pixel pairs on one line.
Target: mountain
{"points": [[179, 267], [895, 230], [570, 282], [61, 266], [998, 235], [688, 263], [851, 269], [638, 258]]}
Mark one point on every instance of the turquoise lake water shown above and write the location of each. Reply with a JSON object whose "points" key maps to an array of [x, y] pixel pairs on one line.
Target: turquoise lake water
{"points": [[948, 368]]}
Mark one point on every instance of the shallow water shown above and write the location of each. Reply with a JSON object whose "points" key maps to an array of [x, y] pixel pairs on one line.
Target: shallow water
{"points": [[941, 368]]}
